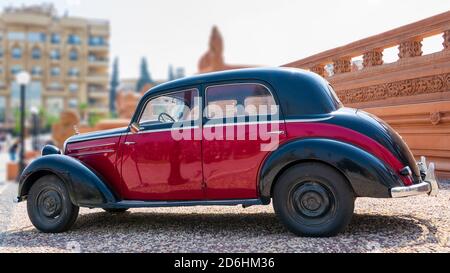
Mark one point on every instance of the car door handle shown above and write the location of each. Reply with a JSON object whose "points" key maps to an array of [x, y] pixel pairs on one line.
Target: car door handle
{"points": [[277, 133], [129, 143]]}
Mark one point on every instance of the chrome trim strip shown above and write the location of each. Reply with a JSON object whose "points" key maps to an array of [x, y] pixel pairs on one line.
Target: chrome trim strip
{"points": [[307, 120], [94, 138], [150, 204], [242, 123], [164, 130], [95, 146], [93, 153]]}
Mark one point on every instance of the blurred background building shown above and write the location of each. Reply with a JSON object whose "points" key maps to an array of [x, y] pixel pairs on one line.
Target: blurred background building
{"points": [[68, 58]]}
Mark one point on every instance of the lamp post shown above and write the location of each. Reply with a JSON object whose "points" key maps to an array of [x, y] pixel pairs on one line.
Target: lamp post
{"points": [[23, 79]]}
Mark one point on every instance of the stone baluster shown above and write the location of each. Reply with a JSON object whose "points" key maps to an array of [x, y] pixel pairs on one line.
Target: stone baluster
{"points": [[410, 48], [373, 58], [342, 65], [319, 69], [446, 43]]}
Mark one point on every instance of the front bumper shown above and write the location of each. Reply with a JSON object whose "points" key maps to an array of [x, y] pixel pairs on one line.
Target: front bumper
{"points": [[430, 185]]}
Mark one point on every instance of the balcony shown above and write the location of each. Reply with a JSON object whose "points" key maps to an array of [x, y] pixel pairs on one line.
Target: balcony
{"points": [[97, 78], [96, 61], [98, 93]]}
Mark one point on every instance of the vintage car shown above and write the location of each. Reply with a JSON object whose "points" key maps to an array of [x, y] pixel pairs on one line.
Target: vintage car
{"points": [[306, 153]]}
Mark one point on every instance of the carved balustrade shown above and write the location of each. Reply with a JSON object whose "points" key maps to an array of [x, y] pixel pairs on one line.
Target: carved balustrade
{"points": [[412, 94]]}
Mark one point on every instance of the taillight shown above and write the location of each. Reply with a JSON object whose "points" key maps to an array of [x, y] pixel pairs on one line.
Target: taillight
{"points": [[406, 176]]}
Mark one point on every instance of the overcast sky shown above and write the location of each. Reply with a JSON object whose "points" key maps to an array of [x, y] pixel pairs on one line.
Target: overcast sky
{"points": [[263, 32]]}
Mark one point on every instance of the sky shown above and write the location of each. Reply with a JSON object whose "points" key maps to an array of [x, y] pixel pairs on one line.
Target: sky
{"points": [[259, 32]]}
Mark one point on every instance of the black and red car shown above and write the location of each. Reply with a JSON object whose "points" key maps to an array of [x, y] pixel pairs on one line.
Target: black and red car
{"points": [[244, 137]]}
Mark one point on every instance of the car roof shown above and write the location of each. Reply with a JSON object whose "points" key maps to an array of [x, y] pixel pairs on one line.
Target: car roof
{"points": [[267, 74], [299, 92]]}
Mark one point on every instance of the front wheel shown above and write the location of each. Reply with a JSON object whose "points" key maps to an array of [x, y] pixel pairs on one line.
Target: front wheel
{"points": [[49, 206], [313, 200]]}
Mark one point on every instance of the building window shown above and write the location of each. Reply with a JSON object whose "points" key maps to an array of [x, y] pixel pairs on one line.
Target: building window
{"points": [[73, 87], [74, 39], [73, 72], [55, 86], [73, 103], [55, 54], [55, 38], [1, 70], [1, 52], [16, 36], [55, 71], [36, 37], [16, 69], [73, 55], [36, 71], [16, 53], [97, 41], [36, 53]]}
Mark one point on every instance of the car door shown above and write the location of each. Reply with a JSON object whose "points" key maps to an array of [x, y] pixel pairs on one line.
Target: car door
{"points": [[242, 125], [155, 164]]}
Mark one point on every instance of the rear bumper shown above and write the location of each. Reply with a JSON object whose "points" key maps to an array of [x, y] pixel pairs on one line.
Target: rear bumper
{"points": [[429, 186]]}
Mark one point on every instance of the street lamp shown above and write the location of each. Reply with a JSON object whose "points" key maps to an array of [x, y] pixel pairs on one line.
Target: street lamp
{"points": [[23, 79]]}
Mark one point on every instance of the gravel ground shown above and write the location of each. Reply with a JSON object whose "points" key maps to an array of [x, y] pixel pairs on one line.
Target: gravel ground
{"points": [[419, 224]]}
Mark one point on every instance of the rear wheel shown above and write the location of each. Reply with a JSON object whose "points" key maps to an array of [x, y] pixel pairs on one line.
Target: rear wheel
{"points": [[313, 199], [115, 211], [49, 206]]}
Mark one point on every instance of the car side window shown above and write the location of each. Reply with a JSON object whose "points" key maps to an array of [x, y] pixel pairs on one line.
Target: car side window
{"points": [[170, 108], [240, 99]]}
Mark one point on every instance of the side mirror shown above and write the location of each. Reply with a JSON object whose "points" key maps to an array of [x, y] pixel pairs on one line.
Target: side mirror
{"points": [[134, 128]]}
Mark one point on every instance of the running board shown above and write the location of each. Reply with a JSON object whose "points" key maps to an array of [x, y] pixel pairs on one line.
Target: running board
{"points": [[163, 204]]}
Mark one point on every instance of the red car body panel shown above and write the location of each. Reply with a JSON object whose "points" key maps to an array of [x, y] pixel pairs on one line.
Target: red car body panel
{"points": [[304, 130], [231, 167], [158, 167], [102, 156]]}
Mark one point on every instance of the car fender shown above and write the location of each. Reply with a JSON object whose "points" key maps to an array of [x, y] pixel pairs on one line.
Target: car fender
{"points": [[86, 187], [367, 175]]}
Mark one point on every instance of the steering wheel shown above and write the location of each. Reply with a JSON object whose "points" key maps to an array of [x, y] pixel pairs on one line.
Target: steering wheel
{"points": [[164, 118]]}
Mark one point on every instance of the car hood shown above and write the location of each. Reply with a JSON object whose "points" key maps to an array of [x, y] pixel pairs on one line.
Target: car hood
{"points": [[97, 135]]}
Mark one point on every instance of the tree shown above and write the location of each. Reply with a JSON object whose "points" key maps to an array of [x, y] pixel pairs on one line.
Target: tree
{"points": [[171, 75], [144, 77], [113, 87]]}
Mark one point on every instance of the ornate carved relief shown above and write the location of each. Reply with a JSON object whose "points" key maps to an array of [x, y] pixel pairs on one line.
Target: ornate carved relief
{"points": [[342, 65], [318, 69], [426, 85], [373, 58], [411, 48], [435, 118], [446, 43]]}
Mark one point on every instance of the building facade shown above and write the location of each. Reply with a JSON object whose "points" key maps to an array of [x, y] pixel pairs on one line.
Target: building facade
{"points": [[67, 57]]}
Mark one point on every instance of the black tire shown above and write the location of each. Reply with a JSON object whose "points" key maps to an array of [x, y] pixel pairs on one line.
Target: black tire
{"points": [[115, 211], [49, 206], [313, 200]]}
